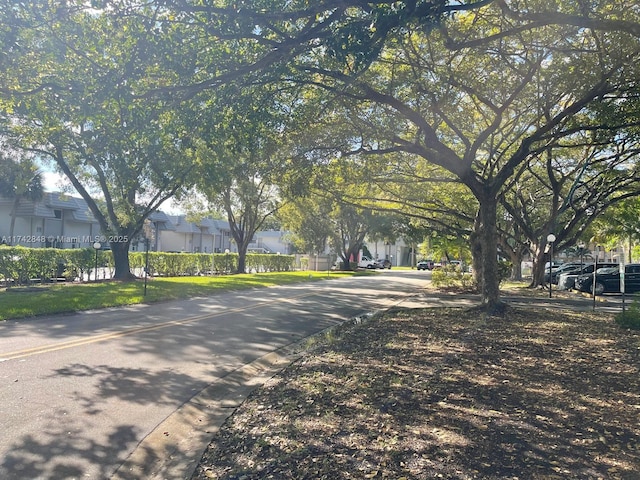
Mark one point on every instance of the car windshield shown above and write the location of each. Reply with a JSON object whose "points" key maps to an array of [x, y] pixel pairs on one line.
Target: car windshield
{"points": [[607, 270], [569, 266]]}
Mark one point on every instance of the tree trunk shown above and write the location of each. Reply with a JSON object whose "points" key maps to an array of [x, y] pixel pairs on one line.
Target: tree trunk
{"points": [[14, 211], [538, 270], [490, 287], [120, 251], [242, 258], [476, 255], [515, 257], [516, 266]]}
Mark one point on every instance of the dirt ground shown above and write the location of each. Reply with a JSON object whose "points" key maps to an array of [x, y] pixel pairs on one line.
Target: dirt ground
{"points": [[433, 393]]}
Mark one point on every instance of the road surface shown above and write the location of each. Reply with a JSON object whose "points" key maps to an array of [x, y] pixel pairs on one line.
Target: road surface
{"points": [[79, 393]]}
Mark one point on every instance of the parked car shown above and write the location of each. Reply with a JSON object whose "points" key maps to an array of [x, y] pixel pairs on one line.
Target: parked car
{"points": [[457, 264], [366, 262], [556, 271], [384, 263], [566, 280], [425, 265], [608, 280]]}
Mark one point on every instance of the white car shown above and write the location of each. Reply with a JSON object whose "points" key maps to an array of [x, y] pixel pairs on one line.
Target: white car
{"points": [[366, 262]]}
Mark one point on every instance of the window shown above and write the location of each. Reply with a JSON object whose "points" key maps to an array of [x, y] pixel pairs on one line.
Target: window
{"points": [[57, 213]]}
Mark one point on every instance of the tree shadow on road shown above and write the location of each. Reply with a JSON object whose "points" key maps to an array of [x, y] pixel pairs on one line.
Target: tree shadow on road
{"points": [[64, 452]]}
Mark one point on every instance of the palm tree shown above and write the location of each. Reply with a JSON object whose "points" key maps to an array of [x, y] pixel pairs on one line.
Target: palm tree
{"points": [[19, 180]]}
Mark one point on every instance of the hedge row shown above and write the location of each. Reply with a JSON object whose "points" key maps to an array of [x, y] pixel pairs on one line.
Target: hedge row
{"points": [[180, 264], [22, 265]]}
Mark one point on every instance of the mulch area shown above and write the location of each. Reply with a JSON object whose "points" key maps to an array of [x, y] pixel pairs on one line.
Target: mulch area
{"points": [[435, 393]]}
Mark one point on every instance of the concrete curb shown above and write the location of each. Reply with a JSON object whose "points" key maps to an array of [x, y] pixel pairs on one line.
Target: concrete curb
{"points": [[174, 448]]}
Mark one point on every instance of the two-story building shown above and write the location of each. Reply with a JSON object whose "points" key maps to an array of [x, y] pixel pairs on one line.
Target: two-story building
{"points": [[58, 220], [64, 221]]}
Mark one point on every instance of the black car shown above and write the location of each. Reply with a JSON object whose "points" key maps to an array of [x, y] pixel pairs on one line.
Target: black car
{"points": [[575, 268], [608, 280], [572, 267]]}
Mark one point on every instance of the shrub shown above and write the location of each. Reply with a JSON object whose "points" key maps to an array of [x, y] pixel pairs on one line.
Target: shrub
{"points": [[79, 261], [451, 276], [504, 271], [630, 318], [19, 265]]}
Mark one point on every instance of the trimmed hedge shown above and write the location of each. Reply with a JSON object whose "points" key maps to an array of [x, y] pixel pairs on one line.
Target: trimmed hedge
{"points": [[22, 265]]}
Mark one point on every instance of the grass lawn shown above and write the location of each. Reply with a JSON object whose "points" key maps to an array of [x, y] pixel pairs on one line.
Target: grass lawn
{"points": [[442, 393], [18, 302]]}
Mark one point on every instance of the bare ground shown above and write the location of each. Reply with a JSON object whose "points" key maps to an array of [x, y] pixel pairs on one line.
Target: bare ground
{"points": [[434, 393]]}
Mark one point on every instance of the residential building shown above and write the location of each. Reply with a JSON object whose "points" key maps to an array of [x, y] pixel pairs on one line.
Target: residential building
{"points": [[58, 220], [64, 221], [205, 236]]}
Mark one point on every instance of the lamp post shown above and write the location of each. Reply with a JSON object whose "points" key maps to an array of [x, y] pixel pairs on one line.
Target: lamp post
{"points": [[550, 239], [226, 260], [96, 247], [149, 236], [593, 285], [581, 250], [146, 264]]}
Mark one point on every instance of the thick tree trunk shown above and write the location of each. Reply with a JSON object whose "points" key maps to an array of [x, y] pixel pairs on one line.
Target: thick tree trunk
{"points": [[120, 251], [538, 270], [516, 267], [490, 287], [242, 259], [515, 257]]}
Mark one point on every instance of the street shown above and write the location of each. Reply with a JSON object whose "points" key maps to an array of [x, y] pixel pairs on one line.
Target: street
{"points": [[79, 392]]}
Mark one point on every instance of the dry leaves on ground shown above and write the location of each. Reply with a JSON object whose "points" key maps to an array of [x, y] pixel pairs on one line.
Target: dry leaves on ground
{"points": [[420, 394]]}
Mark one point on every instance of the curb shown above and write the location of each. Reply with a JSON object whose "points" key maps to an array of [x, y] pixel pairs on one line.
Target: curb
{"points": [[174, 448]]}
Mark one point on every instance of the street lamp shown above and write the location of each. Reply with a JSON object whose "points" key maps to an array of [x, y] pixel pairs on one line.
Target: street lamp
{"points": [[96, 247], [550, 239], [226, 261], [149, 236], [595, 269], [581, 246]]}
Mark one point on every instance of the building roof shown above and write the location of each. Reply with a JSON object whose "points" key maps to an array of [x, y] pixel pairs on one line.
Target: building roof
{"points": [[214, 226], [75, 207], [182, 225], [162, 221]]}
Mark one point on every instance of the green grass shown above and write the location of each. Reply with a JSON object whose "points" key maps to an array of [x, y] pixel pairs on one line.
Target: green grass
{"points": [[50, 299]]}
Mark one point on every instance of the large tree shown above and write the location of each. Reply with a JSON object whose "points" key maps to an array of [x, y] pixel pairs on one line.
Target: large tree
{"points": [[480, 110], [566, 190], [70, 94], [240, 161]]}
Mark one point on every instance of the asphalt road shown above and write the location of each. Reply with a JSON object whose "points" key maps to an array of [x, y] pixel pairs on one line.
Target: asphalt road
{"points": [[79, 393]]}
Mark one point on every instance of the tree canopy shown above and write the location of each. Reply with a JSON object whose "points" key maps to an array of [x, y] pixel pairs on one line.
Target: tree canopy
{"points": [[482, 94], [69, 95]]}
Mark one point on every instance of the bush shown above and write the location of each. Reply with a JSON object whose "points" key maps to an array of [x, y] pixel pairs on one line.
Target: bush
{"points": [[451, 276], [504, 271], [630, 318], [21, 265]]}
